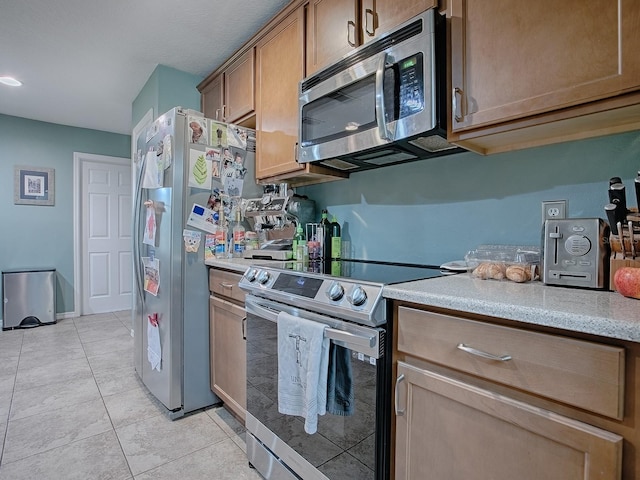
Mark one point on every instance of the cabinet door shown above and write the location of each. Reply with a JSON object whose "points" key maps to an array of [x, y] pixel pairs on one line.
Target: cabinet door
{"points": [[380, 16], [212, 100], [451, 429], [518, 58], [279, 69], [333, 30], [228, 354], [239, 87]]}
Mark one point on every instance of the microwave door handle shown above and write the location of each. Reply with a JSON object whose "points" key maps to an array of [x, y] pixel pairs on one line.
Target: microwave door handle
{"points": [[381, 114]]}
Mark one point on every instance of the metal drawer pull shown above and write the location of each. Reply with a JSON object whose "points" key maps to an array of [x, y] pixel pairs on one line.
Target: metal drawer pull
{"points": [[399, 412], [480, 353], [226, 285]]}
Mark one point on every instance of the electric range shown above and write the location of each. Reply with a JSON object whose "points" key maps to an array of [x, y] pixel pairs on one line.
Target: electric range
{"points": [[355, 295]]}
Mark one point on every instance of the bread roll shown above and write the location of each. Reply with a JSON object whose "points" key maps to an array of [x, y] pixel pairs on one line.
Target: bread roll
{"points": [[497, 271], [490, 270], [519, 273], [481, 271]]}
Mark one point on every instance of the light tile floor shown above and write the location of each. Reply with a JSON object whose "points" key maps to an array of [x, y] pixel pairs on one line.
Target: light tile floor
{"points": [[72, 407]]}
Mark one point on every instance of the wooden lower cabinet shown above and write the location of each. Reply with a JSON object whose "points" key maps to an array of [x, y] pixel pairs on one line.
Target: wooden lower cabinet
{"points": [[484, 398], [449, 429], [228, 344]]}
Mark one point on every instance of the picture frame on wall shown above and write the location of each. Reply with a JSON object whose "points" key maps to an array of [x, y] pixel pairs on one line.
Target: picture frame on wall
{"points": [[33, 186]]}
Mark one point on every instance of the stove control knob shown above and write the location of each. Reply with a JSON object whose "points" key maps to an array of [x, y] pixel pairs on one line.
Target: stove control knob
{"points": [[263, 277], [358, 296], [335, 292], [251, 275]]}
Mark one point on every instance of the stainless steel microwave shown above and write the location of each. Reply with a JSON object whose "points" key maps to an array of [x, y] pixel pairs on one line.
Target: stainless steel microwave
{"points": [[382, 104]]}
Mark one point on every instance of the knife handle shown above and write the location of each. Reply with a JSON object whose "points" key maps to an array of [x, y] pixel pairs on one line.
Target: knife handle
{"points": [[617, 195], [610, 209], [621, 238]]}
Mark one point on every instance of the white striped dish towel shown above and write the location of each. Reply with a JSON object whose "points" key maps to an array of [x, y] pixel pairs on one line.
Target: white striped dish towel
{"points": [[303, 359]]}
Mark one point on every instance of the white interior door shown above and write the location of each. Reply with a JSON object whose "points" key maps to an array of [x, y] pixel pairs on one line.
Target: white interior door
{"points": [[106, 264]]}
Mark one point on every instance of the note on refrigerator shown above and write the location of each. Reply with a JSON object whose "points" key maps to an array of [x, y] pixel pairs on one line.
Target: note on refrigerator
{"points": [[153, 172], [151, 275], [199, 170], [149, 237], [154, 349]]}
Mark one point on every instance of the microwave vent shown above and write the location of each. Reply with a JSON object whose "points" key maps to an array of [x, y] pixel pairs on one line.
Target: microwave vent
{"points": [[391, 158], [433, 143], [339, 164]]}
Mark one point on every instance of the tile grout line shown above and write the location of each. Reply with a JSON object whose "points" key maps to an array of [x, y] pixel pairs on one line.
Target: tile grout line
{"points": [[13, 389], [113, 428]]}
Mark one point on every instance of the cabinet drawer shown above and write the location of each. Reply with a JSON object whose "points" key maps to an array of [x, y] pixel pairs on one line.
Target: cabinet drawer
{"points": [[222, 282], [576, 372]]}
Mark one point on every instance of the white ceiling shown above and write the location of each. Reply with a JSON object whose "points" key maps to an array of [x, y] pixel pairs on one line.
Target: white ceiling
{"points": [[83, 62]]}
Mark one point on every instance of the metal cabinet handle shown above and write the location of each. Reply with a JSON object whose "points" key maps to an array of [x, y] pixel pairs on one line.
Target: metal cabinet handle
{"points": [[480, 353], [226, 285], [399, 412], [368, 12], [457, 106], [351, 23], [218, 110], [244, 328]]}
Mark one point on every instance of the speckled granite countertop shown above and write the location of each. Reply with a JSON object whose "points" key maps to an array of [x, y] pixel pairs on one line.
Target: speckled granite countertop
{"points": [[607, 314]]}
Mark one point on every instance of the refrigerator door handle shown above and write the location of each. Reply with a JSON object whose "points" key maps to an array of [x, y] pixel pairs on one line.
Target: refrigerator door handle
{"points": [[137, 205]]}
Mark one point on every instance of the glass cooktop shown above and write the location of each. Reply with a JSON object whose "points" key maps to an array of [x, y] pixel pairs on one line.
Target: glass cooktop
{"points": [[387, 272]]}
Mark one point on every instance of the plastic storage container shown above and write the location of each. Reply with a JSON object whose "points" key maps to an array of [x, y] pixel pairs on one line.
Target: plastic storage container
{"points": [[517, 263]]}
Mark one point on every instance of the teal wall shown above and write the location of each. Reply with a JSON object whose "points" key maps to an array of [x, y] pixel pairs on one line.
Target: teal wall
{"points": [[166, 88], [42, 236], [435, 210]]}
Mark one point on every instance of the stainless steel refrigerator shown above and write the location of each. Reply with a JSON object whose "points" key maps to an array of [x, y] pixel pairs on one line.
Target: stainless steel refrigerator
{"points": [[181, 159]]}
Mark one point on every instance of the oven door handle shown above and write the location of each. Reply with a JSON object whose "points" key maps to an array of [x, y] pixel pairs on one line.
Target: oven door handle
{"points": [[364, 342]]}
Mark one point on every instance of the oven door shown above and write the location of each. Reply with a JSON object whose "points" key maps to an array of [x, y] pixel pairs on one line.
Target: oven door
{"points": [[350, 446]]}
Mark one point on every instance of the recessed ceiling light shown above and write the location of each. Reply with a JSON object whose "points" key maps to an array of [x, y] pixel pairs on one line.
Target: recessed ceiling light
{"points": [[12, 82]]}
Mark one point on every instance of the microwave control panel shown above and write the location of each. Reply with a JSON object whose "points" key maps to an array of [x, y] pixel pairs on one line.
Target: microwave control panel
{"points": [[411, 80]]}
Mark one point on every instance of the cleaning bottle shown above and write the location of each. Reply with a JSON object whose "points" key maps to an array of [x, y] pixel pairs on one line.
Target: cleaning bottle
{"points": [[299, 235], [301, 252]]}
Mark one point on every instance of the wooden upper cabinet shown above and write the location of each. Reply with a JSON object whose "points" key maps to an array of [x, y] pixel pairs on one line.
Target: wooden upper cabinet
{"points": [[279, 69], [239, 87], [230, 95], [332, 31], [335, 27], [212, 98], [514, 59], [380, 16]]}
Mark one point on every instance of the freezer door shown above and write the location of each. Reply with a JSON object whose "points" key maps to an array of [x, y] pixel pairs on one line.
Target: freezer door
{"points": [[166, 305]]}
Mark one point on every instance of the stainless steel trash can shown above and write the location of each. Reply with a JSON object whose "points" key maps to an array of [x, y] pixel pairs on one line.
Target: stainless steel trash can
{"points": [[29, 297]]}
